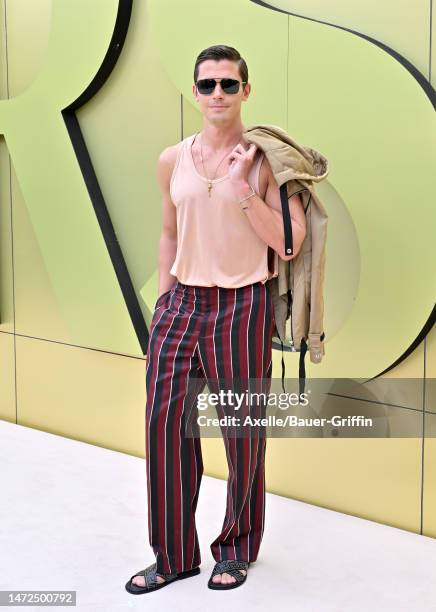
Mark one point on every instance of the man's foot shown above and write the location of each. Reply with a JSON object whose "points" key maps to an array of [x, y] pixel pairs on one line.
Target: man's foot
{"points": [[147, 580], [226, 578], [140, 580]]}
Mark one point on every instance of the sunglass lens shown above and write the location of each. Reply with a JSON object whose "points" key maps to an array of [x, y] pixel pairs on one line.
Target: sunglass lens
{"points": [[206, 86], [230, 86]]}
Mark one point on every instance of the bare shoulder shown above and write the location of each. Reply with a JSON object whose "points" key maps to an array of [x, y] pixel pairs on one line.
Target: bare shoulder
{"points": [[165, 165], [169, 154]]}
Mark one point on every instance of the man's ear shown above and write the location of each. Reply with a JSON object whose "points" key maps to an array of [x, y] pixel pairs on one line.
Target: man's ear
{"points": [[247, 89]]}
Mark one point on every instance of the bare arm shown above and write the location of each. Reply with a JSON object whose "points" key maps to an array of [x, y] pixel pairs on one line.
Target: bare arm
{"points": [[168, 237], [267, 219]]}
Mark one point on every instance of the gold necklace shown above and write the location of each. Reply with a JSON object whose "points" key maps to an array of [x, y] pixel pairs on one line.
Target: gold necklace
{"points": [[210, 184]]}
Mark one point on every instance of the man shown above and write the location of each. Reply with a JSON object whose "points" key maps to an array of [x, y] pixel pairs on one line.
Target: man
{"points": [[213, 318]]}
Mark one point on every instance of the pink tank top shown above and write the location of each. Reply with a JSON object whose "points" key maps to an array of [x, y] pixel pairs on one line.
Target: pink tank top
{"points": [[216, 243]]}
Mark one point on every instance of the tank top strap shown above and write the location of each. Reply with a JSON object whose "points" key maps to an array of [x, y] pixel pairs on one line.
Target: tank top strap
{"points": [[257, 165], [180, 153]]}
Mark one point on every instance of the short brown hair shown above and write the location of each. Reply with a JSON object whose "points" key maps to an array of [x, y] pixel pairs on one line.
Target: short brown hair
{"points": [[218, 52]]}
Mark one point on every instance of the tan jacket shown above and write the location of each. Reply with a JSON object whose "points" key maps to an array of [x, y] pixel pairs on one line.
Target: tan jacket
{"points": [[297, 292]]}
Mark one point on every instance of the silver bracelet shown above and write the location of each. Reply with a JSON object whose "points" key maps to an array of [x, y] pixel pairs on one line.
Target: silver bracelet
{"points": [[246, 198]]}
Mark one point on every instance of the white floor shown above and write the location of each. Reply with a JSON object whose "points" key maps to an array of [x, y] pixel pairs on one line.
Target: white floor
{"points": [[73, 517]]}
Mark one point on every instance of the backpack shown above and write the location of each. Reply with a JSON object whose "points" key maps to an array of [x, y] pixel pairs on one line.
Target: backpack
{"points": [[298, 290]]}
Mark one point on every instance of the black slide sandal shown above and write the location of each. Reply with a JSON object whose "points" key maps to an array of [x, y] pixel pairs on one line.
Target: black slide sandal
{"points": [[232, 567], [151, 583]]}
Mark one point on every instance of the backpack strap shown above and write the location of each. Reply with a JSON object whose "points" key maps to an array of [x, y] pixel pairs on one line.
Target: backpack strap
{"points": [[302, 367], [288, 313], [283, 368], [289, 249]]}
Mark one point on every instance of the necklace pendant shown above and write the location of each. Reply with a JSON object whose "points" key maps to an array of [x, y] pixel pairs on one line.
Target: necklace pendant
{"points": [[209, 188]]}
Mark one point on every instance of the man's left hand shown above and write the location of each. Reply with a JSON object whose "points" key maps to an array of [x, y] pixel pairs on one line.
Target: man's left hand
{"points": [[240, 162]]}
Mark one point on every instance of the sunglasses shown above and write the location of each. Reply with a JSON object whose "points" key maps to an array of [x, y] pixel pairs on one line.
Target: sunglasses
{"points": [[207, 86]]}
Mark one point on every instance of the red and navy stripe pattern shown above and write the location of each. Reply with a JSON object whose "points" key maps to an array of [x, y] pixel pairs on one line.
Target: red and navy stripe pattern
{"points": [[199, 335]]}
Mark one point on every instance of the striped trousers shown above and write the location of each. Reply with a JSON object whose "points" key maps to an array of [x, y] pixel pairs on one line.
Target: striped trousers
{"points": [[198, 336]]}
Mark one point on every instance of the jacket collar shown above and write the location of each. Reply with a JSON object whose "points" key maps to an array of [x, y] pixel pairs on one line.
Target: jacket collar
{"points": [[288, 159]]}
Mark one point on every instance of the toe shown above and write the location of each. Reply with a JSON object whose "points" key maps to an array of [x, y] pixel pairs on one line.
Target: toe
{"points": [[225, 578]]}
